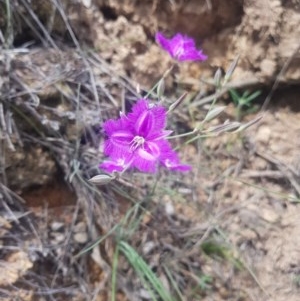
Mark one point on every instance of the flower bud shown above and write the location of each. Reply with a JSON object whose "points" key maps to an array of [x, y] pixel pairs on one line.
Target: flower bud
{"points": [[214, 113], [101, 179]]}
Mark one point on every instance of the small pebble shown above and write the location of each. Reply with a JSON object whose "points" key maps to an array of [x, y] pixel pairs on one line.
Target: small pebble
{"points": [[170, 210], [148, 247], [145, 294], [80, 227], [81, 237], [58, 237], [55, 226]]}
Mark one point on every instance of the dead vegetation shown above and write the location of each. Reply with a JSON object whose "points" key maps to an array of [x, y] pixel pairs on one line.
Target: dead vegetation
{"points": [[220, 233]]}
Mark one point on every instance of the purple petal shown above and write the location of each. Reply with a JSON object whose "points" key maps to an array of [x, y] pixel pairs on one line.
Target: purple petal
{"points": [[170, 159], [118, 144], [174, 164], [111, 126], [146, 119], [144, 123], [111, 166], [177, 45], [159, 136], [177, 166], [163, 41], [165, 149], [159, 114], [115, 151], [153, 148], [119, 137], [192, 55], [180, 47], [146, 158], [144, 161]]}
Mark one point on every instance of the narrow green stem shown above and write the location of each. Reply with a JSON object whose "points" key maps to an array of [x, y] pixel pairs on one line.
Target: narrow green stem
{"points": [[238, 114], [182, 135], [114, 273], [9, 28], [164, 76]]}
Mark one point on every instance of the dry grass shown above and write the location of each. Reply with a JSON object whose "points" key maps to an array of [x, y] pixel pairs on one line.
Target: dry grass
{"points": [[157, 237]]}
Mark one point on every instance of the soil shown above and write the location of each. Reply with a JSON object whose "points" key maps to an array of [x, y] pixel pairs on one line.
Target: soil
{"points": [[228, 230]]}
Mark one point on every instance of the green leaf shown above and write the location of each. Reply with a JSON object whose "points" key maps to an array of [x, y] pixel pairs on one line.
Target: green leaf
{"points": [[149, 278]]}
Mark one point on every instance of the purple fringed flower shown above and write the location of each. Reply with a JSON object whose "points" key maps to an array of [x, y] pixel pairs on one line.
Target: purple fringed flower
{"points": [[180, 47], [138, 140]]}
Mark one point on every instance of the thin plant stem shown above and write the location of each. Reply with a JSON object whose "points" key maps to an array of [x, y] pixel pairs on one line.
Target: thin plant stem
{"points": [[9, 27], [114, 273], [156, 85], [181, 135]]}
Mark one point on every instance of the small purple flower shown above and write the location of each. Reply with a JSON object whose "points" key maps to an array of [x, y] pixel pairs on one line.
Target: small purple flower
{"points": [[180, 47], [138, 140]]}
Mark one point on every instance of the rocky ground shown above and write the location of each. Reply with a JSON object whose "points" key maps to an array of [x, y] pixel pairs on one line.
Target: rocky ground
{"points": [[226, 231]]}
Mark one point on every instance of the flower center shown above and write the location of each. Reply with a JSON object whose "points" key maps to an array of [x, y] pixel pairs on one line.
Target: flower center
{"points": [[136, 142]]}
